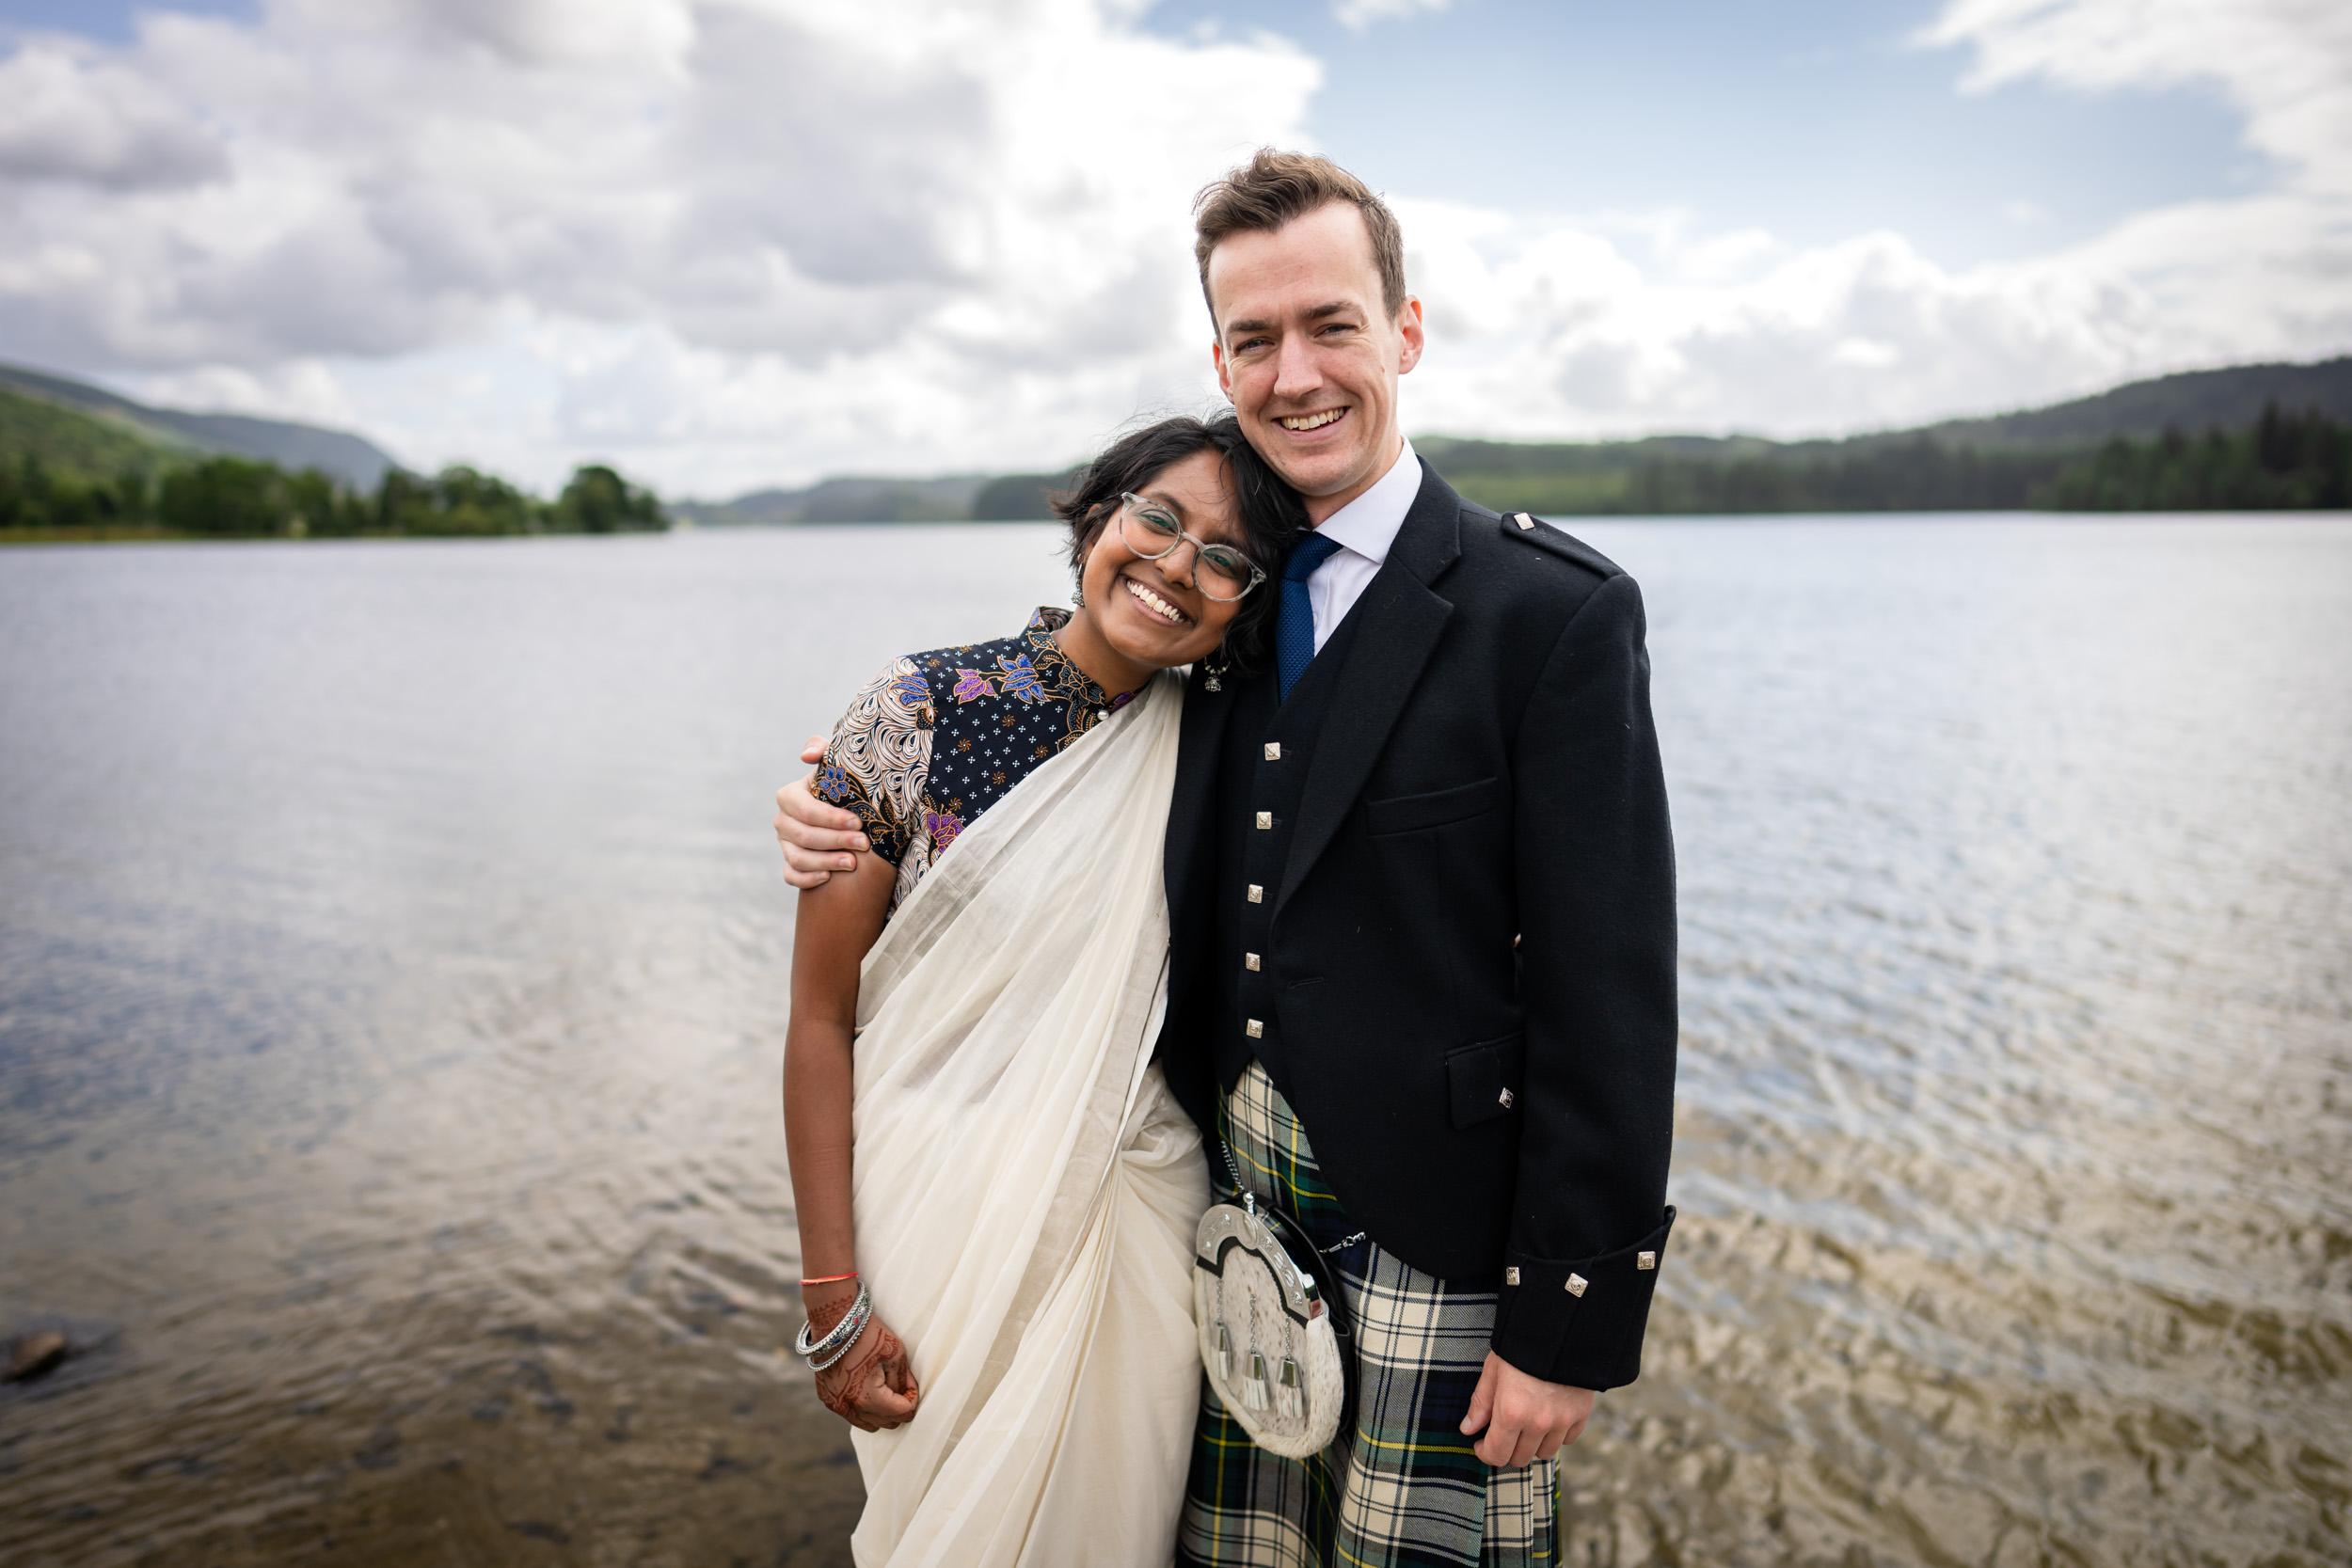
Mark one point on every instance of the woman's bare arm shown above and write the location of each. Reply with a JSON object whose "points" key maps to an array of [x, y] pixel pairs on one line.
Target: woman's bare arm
{"points": [[872, 1386]]}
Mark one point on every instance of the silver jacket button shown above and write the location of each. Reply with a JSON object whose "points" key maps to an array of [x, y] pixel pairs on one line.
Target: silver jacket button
{"points": [[1575, 1284], [1511, 1277], [1274, 750], [1257, 892], [1645, 1259], [1254, 1029], [1506, 1100]]}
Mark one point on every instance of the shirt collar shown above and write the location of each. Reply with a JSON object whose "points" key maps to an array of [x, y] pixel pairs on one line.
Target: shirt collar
{"points": [[1055, 669], [1368, 525]]}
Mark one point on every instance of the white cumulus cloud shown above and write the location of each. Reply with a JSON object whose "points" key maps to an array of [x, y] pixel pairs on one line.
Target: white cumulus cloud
{"points": [[65, 116], [1624, 325], [750, 236], [738, 242]]}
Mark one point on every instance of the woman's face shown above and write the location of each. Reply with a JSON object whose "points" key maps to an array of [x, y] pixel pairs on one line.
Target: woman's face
{"points": [[1152, 611]]}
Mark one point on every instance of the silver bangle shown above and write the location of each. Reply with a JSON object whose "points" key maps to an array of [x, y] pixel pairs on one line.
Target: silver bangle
{"points": [[862, 1319], [838, 1334], [843, 1334], [861, 1314]]}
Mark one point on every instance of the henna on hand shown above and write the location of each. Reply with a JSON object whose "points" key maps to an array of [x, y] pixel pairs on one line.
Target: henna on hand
{"points": [[843, 1388]]}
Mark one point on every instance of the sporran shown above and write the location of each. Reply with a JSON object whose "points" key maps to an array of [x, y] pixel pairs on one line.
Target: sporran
{"points": [[1273, 1336]]}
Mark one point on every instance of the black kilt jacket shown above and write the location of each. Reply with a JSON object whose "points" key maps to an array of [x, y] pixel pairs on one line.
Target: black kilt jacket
{"points": [[1469, 962]]}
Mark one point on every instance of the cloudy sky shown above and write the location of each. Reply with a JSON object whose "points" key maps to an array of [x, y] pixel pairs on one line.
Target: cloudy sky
{"points": [[732, 243]]}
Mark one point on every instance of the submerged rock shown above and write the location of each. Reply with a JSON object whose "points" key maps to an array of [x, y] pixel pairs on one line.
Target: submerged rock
{"points": [[35, 1354]]}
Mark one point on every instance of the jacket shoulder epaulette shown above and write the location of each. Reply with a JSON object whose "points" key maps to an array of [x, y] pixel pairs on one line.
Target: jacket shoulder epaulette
{"points": [[1529, 529]]}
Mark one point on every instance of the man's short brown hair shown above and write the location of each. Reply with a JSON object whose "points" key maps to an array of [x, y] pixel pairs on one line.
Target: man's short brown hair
{"points": [[1275, 187]]}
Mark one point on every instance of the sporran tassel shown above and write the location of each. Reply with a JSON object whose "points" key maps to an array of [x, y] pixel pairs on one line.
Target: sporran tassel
{"points": [[1290, 1395], [1253, 1388], [1224, 1353]]}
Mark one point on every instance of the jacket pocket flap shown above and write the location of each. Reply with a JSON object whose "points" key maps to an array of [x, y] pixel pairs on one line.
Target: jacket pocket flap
{"points": [[1486, 1079], [1404, 814]]}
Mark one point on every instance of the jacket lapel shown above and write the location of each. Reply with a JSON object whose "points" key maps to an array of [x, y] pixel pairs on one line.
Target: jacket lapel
{"points": [[1188, 852], [1401, 620]]}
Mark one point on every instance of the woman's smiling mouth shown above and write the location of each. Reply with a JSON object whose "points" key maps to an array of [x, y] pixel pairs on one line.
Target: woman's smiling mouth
{"points": [[1154, 606]]}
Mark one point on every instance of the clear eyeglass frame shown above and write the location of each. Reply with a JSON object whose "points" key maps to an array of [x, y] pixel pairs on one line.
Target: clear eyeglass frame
{"points": [[1212, 560]]}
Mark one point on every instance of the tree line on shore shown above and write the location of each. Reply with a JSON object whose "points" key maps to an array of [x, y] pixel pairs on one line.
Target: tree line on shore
{"points": [[234, 498], [2284, 460]]}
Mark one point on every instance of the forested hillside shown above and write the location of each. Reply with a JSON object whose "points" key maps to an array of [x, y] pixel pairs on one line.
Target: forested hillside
{"points": [[91, 469], [351, 461], [2041, 458]]}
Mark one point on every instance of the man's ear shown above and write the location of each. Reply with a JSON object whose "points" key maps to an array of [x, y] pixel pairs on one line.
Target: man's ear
{"points": [[1409, 327], [1224, 370]]}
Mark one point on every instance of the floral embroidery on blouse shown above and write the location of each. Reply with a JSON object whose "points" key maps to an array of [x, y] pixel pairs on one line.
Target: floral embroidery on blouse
{"points": [[1020, 679], [938, 737]]}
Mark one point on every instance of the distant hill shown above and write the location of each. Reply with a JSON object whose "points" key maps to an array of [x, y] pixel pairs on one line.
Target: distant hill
{"points": [[2002, 463], [82, 441], [77, 463], [843, 500], [162, 434], [2192, 403], [1020, 497]]}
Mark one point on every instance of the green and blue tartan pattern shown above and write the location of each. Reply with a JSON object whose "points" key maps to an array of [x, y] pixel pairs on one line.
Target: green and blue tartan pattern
{"points": [[1402, 1486]]}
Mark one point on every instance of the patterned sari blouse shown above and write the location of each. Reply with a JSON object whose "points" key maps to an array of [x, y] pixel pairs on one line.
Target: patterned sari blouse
{"points": [[938, 737]]}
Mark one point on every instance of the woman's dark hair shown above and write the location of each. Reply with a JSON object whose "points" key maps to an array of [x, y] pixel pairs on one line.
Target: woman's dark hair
{"points": [[1270, 511]]}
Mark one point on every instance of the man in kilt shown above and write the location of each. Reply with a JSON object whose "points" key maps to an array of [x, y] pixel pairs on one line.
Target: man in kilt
{"points": [[1420, 895], [1420, 882]]}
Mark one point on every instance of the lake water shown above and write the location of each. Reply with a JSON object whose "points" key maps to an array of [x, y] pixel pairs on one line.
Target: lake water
{"points": [[393, 971]]}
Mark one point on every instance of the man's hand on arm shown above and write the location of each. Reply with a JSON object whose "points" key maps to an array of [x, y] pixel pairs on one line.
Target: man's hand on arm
{"points": [[818, 840], [1524, 1417]]}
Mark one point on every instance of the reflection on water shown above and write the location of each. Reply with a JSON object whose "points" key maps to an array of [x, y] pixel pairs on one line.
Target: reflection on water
{"points": [[391, 990]]}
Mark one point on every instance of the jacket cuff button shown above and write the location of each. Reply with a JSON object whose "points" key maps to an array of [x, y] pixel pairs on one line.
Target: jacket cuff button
{"points": [[1511, 1277], [1646, 1261]]}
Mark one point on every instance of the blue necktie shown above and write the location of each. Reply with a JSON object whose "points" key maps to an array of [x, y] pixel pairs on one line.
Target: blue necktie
{"points": [[1295, 622]]}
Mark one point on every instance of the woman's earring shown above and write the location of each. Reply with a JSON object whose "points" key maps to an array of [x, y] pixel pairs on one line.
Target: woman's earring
{"points": [[1212, 671], [1078, 595]]}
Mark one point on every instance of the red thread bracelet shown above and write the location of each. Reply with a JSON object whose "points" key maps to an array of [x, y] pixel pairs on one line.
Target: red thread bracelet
{"points": [[831, 1278]]}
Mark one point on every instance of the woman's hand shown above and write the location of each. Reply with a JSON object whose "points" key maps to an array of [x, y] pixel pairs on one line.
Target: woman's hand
{"points": [[872, 1386]]}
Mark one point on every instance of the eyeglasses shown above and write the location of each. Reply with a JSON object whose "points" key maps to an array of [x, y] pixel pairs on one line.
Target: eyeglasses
{"points": [[1152, 531]]}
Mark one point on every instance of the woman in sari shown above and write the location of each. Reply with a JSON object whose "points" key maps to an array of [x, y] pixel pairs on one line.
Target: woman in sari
{"points": [[996, 1193]]}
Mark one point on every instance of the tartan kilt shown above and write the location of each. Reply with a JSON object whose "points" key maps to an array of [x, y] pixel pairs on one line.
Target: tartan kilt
{"points": [[1401, 1486]]}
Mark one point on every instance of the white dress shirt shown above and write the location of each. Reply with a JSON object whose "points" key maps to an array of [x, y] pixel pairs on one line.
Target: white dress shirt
{"points": [[1363, 529]]}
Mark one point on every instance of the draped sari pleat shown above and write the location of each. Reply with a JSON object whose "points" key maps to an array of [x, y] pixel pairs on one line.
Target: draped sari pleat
{"points": [[1026, 1189]]}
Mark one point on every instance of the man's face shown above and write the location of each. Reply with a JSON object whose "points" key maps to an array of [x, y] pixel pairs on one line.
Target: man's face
{"points": [[1309, 354]]}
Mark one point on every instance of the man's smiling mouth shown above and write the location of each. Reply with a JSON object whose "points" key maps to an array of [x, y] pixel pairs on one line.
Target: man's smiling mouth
{"points": [[1303, 423], [1154, 605]]}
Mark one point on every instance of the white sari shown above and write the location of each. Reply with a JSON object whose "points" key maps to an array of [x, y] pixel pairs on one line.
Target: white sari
{"points": [[1025, 1188]]}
